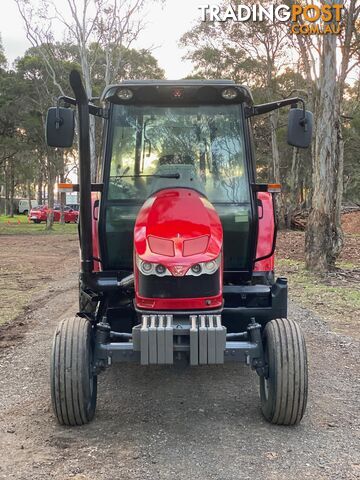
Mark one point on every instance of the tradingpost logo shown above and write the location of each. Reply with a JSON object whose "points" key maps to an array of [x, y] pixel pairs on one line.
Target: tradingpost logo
{"points": [[312, 19]]}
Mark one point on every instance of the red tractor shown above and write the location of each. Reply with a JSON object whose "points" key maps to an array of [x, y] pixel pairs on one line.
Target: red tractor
{"points": [[177, 242]]}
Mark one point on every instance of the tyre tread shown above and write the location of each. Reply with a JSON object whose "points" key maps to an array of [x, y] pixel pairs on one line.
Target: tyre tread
{"points": [[288, 373], [70, 390]]}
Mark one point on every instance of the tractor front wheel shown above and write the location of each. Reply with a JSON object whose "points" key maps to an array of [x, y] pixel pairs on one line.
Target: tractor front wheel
{"points": [[73, 383], [284, 387]]}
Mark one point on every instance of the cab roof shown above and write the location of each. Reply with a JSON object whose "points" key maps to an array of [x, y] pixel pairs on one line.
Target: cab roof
{"points": [[191, 91]]}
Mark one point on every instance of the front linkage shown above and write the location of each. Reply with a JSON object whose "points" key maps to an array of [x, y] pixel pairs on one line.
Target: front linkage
{"points": [[82, 350], [161, 339]]}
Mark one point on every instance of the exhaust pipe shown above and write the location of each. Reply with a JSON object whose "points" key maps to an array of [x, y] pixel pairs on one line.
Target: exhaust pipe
{"points": [[87, 263]]}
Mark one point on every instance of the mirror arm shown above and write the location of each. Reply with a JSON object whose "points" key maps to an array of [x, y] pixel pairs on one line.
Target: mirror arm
{"points": [[66, 100], [269, 107], [93, 109]]}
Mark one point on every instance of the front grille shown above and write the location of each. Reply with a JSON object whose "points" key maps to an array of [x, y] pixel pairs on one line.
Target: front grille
{"points": [[152, 286]]}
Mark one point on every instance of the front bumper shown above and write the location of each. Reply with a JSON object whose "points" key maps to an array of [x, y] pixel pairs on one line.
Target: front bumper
{"points": [[197, 339], [239, 304], [262, 302]]}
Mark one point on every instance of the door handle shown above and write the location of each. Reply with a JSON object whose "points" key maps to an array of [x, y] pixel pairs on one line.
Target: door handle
{"points": [[95, 210]]}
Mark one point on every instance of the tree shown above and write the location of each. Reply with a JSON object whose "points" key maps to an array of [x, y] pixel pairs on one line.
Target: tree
{"points": [[26, 163], [135, 64], [40, 92], [254, 53], [10, 133], [324, 238], [322, 223], [351, 138], [109, 24], [222, 49], [3, 60]]}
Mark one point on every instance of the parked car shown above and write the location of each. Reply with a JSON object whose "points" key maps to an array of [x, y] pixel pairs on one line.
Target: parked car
{"points": [[39, 214], [74, 206], [23, 206]]}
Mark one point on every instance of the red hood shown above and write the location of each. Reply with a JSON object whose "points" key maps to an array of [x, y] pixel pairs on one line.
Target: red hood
{"points": [[178, 226]]}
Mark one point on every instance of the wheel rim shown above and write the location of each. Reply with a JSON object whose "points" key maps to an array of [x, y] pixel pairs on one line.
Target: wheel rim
{"points": [[266, 376], [91, 378], [92, 387], [266, 388]]}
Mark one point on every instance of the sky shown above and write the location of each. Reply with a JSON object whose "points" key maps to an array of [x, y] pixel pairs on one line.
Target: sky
{"points": [[165, 25]]}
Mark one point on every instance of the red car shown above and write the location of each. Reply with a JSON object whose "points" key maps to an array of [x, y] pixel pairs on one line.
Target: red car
{"points": [[39, 214]]}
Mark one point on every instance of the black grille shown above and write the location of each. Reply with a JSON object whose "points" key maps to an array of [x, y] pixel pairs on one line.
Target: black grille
{"points": [[151, 286]]}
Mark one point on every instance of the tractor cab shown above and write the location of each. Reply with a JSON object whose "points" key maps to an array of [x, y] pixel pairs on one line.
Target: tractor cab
{"points": [[178, 139], [177, 242]]}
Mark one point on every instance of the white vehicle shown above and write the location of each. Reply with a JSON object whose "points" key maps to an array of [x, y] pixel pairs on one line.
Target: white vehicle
{"points": [[24, 206]]}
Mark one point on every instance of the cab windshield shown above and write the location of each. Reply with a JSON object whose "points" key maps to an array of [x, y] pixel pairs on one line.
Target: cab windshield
{"points": [[199, 147]]}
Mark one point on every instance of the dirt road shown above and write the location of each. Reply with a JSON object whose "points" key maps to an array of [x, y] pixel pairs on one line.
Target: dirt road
{"points": [[172, 423]]}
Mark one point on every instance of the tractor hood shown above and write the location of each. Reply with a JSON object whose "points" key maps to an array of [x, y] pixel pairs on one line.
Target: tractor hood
{"points": [[178, 226]]}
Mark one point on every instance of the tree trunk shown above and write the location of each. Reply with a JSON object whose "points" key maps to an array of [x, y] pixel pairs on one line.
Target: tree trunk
{"points": [[338, 238], [50, 215], [12, 190], [88, 87], [7, 199], [280, 213], [93, 162], [294, 193], [39, 196], [352, 14], [323, 229], [28, 191], [62, 201], [308, 63]]}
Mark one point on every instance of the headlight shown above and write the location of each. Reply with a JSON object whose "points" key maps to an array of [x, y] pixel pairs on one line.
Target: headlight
{"points": [[211, 267], [229, 93], [196, 269], [124, 93], [205, 267], [147, 268], [160, 270]]}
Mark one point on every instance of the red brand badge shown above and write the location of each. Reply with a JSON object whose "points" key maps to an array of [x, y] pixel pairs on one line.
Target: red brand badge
{"points": [[179, 270]]}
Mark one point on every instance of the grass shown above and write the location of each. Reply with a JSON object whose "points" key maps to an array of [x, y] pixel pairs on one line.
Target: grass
{"points": [[19, 225], [334, 298], [17, 218]]}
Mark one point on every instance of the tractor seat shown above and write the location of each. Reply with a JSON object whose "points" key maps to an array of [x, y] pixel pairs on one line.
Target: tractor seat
{"points": [[176, 159]]}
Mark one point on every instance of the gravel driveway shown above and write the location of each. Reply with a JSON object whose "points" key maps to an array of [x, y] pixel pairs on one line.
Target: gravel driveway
{"points": [[176, 423]]}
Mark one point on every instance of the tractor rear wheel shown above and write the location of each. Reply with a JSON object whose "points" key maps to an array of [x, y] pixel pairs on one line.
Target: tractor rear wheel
{"points": [[73, 383], [283, 390]]}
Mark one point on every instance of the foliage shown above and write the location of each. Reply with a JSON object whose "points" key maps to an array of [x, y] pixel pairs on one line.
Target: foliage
{"points": [[351, 132], [264, 56], [25, 95]]}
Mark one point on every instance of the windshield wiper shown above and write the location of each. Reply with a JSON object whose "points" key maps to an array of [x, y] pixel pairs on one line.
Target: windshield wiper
{"points": [[156, 175]]}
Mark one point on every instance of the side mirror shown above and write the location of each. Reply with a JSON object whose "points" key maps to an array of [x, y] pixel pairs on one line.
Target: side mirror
{"points": [[299, 128], [60, 127]]}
